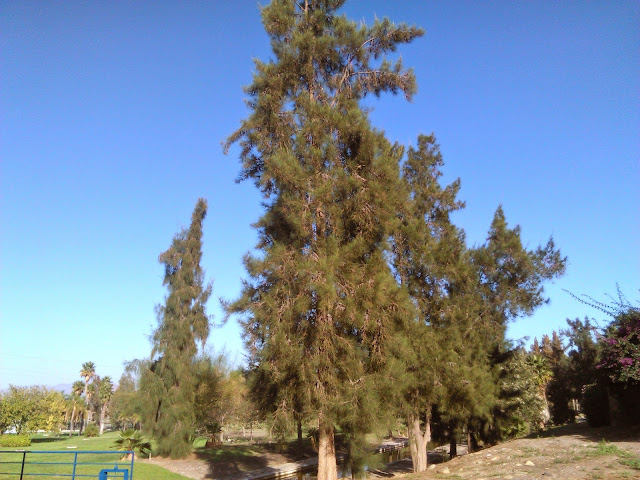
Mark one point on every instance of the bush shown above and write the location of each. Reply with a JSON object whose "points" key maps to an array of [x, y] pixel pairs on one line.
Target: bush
{"points": [[92, 430], [132, 440], [15, 441], [595, 404]]}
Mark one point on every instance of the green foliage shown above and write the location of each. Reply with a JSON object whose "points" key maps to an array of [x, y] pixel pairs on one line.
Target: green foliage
{"points": [[124, 406], [132, 440], [520, 406], [620, 348], [604, 448], [15, 441], [167, 385], [633, 463], [32, 408], [595, 404], [91, 430], [322, 309], [88, 373], [327, 322], [221, 396]]}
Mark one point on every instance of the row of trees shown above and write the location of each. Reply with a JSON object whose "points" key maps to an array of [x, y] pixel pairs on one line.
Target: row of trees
{"points": [[364, 301], [28, 409], [365, 304], [595, 371]]}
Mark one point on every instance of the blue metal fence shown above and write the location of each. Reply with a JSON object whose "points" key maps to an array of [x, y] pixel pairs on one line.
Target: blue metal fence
{"points": [[25, 464]]}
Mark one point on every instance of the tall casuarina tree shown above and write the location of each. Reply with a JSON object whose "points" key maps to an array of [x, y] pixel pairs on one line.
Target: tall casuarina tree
{"points": [[322, 307], [168, 385], [427, 258]]}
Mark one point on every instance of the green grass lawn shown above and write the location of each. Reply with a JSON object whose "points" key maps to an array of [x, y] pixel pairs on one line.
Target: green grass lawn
{"points": [[69, 447]]}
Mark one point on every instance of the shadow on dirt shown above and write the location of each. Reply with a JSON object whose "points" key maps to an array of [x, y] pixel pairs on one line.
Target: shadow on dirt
{"points": [[584, 432], [232, 460]]}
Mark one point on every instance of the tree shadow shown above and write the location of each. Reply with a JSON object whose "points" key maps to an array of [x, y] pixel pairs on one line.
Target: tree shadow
{"points": [[233, 460], [51, 439], [594, 434]]}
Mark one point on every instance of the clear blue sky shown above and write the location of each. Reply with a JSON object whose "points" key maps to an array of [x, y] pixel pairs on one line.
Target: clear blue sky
{"points": [[113, 113]]}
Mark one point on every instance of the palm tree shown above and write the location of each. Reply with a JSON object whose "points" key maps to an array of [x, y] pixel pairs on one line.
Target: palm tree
{"points": [[131, 440], [105, 392], [74, 400], [543, 375], [88, 372]]}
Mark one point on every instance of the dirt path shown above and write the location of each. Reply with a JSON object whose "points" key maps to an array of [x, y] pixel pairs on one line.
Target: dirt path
{"points": [[201, 469]]}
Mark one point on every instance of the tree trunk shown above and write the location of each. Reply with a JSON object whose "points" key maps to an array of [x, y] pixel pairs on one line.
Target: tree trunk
{"points": [[73, 416], [418, 441], [103, 412], [469, 440], [327, 466], [299, 437], [453, 447]]}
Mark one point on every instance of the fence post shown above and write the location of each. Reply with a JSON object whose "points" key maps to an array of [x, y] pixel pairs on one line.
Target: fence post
{"points": [[24, 454], [75, 461]]}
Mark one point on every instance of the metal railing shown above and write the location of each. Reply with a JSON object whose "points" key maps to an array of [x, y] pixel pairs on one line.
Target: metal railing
{"points": [[25, 464]]}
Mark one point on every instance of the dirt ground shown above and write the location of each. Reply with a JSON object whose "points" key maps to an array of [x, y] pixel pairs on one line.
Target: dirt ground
{"points": [[201, 469], [572, 452]]}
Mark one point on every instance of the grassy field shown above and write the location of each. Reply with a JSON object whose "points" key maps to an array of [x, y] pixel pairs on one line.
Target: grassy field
{"points": [[38, 464]]}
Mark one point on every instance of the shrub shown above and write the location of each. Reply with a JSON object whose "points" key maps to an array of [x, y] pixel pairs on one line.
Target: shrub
{"points": [[132, 440], [15, 441], [92, 430]]}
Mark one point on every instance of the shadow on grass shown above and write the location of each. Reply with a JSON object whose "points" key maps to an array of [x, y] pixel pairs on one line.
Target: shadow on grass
{"points": [[59, 438]]}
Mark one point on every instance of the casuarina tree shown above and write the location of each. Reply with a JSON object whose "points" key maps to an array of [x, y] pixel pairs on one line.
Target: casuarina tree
{"points": [[427, 254], [322, 308], [168, 384]]}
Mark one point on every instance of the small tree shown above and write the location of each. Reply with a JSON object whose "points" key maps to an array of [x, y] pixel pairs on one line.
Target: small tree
{"points": [[124, 409], [132, 440]]}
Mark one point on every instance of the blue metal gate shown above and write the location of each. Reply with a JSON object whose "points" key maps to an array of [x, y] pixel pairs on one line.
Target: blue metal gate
{"points": [[100, 465]]}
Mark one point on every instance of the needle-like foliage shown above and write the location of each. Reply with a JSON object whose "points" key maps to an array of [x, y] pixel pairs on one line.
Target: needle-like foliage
{"points": [[168, 385], [322, 306]]}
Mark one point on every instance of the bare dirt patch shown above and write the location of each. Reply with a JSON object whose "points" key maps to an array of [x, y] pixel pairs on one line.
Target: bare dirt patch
{"points": [[573, 452], [229, 461]]}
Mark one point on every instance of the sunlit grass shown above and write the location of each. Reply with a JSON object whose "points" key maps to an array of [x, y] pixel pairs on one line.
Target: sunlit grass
{"points": [[90, 464]]}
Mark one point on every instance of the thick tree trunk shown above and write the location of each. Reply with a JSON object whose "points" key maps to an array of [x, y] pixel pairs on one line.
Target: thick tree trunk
{"points": [[469, 440], [418, 441], [327, 466], [453, 447]]}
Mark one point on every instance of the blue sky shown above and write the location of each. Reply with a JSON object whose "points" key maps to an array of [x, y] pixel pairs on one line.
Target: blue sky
{"points": [[113, 113]]}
